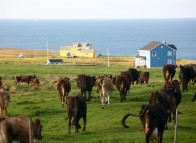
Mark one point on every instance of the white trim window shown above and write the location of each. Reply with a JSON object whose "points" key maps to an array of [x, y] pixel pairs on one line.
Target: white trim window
{"points": [[153, 53], [169, 53]]}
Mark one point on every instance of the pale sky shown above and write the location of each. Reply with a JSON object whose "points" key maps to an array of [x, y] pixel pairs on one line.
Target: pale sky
{"points": [[97, 9]]}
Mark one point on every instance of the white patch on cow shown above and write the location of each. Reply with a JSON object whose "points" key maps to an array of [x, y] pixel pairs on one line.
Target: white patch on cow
{"points": [[154, 135]]}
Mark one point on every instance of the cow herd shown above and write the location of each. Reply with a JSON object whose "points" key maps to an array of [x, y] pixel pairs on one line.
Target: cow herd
{"points": [[154, 116], [17, 129], [163, 103]]}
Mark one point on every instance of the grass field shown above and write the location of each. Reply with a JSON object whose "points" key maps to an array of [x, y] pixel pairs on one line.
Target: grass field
{"points": [[103, 125]]}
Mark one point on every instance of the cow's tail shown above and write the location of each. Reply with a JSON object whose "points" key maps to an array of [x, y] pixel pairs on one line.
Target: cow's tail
{"points": [[125, 117]]}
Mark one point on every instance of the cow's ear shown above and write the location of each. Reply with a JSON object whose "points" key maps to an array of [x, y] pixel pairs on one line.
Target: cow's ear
{"points": [[68, 79]]}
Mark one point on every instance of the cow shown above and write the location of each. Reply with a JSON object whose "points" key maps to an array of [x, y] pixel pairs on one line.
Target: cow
{"points": [[144, 77], [24, 78], [37, 129], [166, 100], [173, 88], [104, 88], [19, 129], [122, 83], [154, 119], [64, 87], [169, 71], [186, 73], [85, 84], [35, 82], [134, 75], [76, 109], [4, 100], [1, 82]]}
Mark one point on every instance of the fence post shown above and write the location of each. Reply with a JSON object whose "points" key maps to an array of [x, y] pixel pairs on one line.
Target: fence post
{"points": [[176, 127]]}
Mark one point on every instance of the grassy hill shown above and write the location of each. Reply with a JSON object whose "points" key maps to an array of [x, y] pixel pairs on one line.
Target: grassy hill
{"points": [[103, 125]]}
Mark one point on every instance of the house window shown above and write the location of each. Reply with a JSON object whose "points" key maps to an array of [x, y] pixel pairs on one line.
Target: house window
{"points": [[169, 53], [169, 61], [153, 54]]}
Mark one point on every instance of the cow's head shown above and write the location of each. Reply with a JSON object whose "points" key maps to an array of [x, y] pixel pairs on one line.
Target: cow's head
{"points": [[37, 129], [59, 82]]}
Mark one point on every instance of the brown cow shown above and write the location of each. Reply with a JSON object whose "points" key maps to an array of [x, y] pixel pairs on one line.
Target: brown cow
{"points": [[24, 78], [122, 83], [104, 88], [35, 82], [169, 71], [4, 100], [64, 87], [76, 109], [19, 129], [144, 77], [154, 119]]}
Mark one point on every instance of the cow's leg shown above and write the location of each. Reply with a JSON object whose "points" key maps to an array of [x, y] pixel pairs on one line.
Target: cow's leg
{"points": [[121, 96], [77, 126], [84, 120], [62, 100], [102, 102], [160, 136], [108, 96], [69, 124], [149, 133], [89, 95]]}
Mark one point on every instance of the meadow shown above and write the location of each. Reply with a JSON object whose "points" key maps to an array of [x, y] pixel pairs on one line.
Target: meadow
{"points": [[103, 125]]}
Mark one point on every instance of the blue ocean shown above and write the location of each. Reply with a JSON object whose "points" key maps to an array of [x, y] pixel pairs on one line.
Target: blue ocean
{"points": [[120, 37]]}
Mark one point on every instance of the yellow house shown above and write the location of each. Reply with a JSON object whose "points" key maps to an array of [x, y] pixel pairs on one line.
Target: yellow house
{"points": [[83, 49]]}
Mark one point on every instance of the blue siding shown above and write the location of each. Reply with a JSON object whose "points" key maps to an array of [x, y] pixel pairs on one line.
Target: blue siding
{"points": [[162, 56]]}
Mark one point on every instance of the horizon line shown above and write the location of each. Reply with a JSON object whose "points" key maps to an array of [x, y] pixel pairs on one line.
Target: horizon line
{"points": [[36, 19]]}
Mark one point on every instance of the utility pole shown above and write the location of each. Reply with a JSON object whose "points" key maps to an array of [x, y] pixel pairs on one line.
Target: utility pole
{"points": [[108, 58], [47, 51]]}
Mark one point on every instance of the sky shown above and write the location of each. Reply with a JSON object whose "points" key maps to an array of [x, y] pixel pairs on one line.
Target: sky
{"points": [[97, 9]]}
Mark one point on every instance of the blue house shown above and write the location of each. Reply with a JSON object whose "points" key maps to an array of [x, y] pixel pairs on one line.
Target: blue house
{"points": [[156, 54]]}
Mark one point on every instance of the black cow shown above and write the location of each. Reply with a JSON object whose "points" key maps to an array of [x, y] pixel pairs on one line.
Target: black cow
{"points": [[85, 83], [169, 71], [76, 109], [24, 78], [154, 119], [64, 87], [166, 100], [134, 74], [187, 73]]}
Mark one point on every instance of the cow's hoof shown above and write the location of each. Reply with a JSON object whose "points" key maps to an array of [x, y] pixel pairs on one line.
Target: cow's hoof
{"points": [[102, 107], [79, 127], [69, 133], [84, 129], [62, 105], [106, 102]]}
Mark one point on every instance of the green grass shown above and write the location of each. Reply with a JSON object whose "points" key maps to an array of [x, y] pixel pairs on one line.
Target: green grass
{"points": [[103, 125]]}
